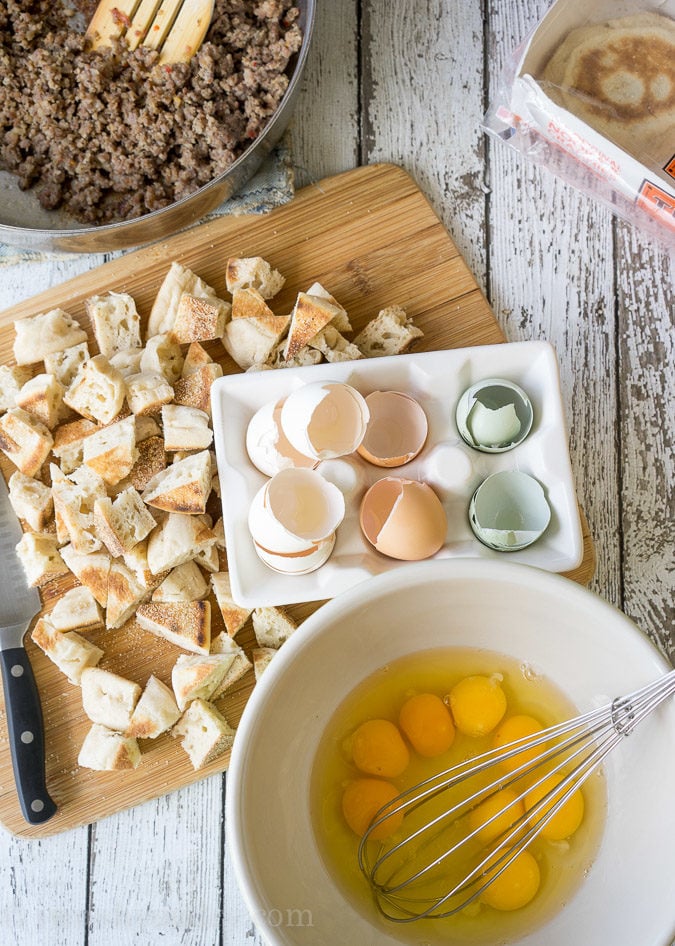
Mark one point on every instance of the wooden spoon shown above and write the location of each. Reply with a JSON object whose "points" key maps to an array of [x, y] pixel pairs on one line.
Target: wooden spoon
{"points": [[175, 28]]}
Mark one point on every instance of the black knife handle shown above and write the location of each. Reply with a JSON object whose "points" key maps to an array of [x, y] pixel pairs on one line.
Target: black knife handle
{"points": [[26, 735]]}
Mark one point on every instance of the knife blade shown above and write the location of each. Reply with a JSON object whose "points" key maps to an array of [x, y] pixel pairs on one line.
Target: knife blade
{"points": [[18, 606]]}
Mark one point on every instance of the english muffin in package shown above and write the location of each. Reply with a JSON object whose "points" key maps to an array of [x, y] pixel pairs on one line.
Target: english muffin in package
{"points": [[591, 94]]}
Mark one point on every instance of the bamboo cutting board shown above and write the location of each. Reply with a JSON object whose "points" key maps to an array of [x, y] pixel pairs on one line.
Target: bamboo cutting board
{"points": [[372, 239]]}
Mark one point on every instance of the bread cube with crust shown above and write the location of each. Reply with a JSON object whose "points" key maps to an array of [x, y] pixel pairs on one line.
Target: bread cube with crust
{"points": [[148, 392], [195, 358], [97, 391], [105, 750], [233, 614], [136, 560], [262, 657], [251, 341], [178, 280], [125, 593], [183, 487], [115, 321], [155, 712], [122, 523], [91, 569], [177, 539], [272, 626], [310, 314], [340, 322], [253, 272], [76, 610], [108, 698], [71, 653], [65, 364], [183, 583], [68, 446], [151, 460], [198, 677], [199, 320], [186, 624], [334, 346], [40, 558], [205, 732], [111, 451], [223, 644], [391, 332], [162, 355], [185, 428], [12, 379], [74, 497], [24, 440], [40, 335], [195, 390], [31, 500]]}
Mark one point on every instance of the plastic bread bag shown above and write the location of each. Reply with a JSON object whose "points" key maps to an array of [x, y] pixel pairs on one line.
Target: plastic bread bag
{"points": [[591, 96]]}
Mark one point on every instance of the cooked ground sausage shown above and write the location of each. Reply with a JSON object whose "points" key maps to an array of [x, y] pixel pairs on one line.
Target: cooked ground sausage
{"points": [[111, 135]]}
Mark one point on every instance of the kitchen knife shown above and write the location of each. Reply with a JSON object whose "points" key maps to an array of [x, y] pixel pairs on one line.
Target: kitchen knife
{"points": [[18, 606]]}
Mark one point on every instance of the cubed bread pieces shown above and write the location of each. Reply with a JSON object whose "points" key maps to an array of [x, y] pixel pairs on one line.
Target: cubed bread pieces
{"points": [[71, 653], [178, 539], [74, 498], [124, 523], [146, 427], [251, 341], [195, 358], [31, 500], [151, 460], [183, 583], [147, 392], [162, 355], [205, 732], [262, 657], [340, 322], [97, 391], [68, 445], [24, 440], [65, 364], [391, 332], [334, 346], [108, 698], [136, 560], [183, 487], [42, 397], [111, 452], [223, 644], [199, 320], [310, 314], [92, 570], [186, 624], [125, 593], [76, 610], [249, 304], [40, 335], [40, 558], [198, 677], [185, 428], [179, 279], [115, 321], [233, 614], [195, 390], [306, 356], [272, 626], [208, 558], [253, 272], [12, 379], [155, 712], [105, 750], [127, 362]]}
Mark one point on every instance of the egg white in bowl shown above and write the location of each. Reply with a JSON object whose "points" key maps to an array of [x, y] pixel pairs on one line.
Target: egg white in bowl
{"points": [[584, 646]]}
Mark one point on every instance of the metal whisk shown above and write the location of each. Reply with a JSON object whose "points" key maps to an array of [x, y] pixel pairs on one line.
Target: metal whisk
{"points": [[407, 872]]}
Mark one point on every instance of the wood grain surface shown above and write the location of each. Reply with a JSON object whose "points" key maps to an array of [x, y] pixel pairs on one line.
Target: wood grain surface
{"points": [[371, 237], [388, 80]]}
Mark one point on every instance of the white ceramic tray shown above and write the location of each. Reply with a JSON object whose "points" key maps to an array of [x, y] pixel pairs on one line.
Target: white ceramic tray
{"points": [[452, 468]]}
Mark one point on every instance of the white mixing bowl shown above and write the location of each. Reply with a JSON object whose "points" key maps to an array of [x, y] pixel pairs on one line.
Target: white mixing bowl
{"points": [[581, 643]]}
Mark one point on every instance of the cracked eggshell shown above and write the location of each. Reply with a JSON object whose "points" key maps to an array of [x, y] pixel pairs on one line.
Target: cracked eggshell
{"points": [[397, 429], [325, 419], [494, 415], [299, 563], [268, 447], [403, 518], [509, 511]]}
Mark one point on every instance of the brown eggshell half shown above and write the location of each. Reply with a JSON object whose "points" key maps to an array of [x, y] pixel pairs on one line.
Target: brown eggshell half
{"points": [[397, 429]]}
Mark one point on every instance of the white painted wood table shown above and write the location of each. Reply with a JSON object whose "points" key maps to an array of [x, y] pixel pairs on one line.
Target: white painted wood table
{"points": [[408, 82]]}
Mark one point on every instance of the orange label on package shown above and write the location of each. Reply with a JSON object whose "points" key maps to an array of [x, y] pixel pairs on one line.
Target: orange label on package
{"points": [[657, 203], [670, 167]]}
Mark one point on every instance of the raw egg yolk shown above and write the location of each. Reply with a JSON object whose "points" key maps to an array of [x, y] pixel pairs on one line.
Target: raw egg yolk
{"points": [[568, 817], [503, 807], [513, 728], [426, 721], [478, 704], [515, 886], [378, 749], [362, 800]]}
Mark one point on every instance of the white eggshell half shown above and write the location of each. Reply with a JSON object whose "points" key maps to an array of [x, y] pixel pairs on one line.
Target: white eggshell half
{"points": [[325, 419], [268, 532], [304, 504], [301, 563], [397, 429], [266, 443]]}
